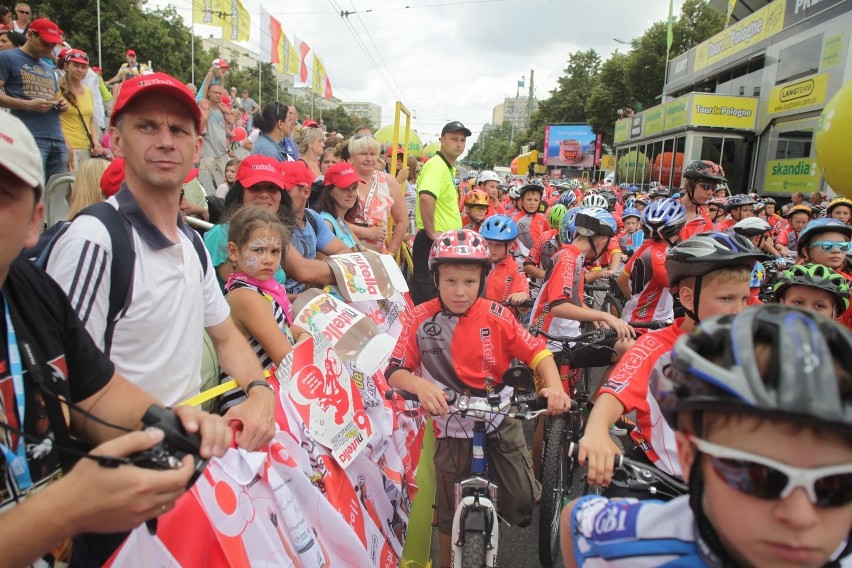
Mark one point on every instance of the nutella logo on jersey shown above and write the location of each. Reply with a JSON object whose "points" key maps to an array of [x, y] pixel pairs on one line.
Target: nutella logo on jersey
{"points": [[616, 522], [487, 349]]}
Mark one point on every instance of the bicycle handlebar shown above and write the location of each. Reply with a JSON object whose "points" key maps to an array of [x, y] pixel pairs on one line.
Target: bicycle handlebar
{"points": [[644, 475], [464, 404], [594, 287], [590, 337], [525, 304], [653, 324]]}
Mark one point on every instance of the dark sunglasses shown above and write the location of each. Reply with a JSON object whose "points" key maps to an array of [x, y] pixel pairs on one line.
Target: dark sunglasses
{"points": [[24, 12], [768, 479]]}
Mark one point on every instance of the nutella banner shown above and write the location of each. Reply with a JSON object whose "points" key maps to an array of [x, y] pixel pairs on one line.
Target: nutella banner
{"points": [[366, 276], [317, 383]]}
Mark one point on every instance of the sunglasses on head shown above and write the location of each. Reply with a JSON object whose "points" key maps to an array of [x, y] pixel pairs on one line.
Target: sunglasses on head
{"points": [[828, 246], [359, 136], [769, 480]]}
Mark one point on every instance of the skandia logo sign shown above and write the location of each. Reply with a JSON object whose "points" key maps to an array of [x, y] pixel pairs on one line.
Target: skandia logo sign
{"points": [[800, 168], [735, 37]]}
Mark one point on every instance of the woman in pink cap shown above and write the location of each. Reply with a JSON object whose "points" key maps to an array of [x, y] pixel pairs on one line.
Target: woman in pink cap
{"points": [[337, 203]]}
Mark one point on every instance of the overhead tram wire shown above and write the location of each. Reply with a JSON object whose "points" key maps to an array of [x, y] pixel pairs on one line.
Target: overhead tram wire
{"points": [[402, 97], [366, 51]]}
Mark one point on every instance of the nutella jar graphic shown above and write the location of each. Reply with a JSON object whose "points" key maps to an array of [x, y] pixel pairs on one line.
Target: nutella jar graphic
{"points": [[570, 151]]}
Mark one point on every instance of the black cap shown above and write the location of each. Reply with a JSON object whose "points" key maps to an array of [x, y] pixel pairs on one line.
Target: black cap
{"points": [[455, 126]]}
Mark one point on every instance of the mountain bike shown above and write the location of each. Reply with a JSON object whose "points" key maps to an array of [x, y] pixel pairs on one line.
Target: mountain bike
{"points": [[476, 528]]}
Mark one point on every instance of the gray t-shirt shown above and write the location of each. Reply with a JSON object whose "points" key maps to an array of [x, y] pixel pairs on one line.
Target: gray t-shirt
{"points": [[215, 140], [248, 104]]}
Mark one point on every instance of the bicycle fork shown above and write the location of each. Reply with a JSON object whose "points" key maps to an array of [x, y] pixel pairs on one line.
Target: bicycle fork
{"points": [[476, 506]]}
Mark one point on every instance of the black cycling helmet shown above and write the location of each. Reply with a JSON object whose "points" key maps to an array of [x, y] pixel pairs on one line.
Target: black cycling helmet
{"points": [[530, 187], [738, 200], [705, 252], [704, 170], [715, 369], [815, 276]]}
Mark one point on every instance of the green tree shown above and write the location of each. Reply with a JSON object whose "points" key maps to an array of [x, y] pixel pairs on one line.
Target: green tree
{"points": [[609, 94], [645, 67], [697, 22], [157, 35]]}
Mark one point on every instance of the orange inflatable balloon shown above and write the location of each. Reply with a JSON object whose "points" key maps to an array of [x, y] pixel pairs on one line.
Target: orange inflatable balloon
{"points": [[662, 168]]}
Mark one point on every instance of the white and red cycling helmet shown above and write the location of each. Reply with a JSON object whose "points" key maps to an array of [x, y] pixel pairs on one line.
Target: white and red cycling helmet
{"points": [[459, 246]]}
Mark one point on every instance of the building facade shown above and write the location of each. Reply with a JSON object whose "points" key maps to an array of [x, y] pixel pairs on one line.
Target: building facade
{"points": [[369, 111], [748, 98]]}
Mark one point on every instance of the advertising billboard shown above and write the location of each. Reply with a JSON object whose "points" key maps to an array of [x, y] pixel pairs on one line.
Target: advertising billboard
{"points": [[571, 145]]}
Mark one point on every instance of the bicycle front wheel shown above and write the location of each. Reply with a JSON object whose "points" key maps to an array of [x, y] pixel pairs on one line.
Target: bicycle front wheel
{"points": [[473, 551], [557, 474]]}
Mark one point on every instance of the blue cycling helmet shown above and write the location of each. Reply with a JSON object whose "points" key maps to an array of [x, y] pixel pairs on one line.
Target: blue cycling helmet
{"points": [[593, 222], [500, 228], [664, 218], [630, 202], [818, 226], [631, 212], [567, 199], [566, 226]]}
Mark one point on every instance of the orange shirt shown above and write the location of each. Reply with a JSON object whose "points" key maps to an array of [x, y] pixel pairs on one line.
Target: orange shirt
{"points": [[505, 279]]}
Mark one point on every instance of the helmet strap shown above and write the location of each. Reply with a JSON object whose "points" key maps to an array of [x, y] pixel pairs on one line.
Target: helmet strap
{"points": [[693, 313], [712, 552]]}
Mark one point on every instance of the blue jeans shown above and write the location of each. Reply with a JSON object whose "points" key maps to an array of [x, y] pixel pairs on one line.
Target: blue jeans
{"points": [[54, 156]]}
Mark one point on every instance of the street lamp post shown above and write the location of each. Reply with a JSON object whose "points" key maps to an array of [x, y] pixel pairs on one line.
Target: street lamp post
{"points": [[515, 108]]}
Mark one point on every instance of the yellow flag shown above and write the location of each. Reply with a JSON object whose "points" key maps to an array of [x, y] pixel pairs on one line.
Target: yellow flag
{"points": [[208, 12], [318, 85], [731, 4], [292, 58], [237, 22]]}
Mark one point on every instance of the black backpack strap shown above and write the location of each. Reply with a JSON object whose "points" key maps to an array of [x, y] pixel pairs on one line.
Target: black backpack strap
{"points": [[312, 220], [122, 266], [198, 244]]}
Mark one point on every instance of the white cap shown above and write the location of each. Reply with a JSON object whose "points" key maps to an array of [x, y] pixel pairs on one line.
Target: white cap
{"points": [[487, 175], [18, 151]]}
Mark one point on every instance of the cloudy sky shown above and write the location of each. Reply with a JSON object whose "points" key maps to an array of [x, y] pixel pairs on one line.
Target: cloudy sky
{"points": [[450, 59]]}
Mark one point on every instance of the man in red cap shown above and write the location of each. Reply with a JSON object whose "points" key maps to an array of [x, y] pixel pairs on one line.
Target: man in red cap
{"points": [[30, 91], [156, 341]]}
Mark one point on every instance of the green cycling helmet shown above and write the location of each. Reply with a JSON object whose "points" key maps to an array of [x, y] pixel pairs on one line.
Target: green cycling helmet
{"points": [[817, 276], [555, 215]]}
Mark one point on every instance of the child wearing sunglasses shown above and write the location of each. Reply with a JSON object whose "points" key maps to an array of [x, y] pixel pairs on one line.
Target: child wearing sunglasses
{"points": [[769, 463]]}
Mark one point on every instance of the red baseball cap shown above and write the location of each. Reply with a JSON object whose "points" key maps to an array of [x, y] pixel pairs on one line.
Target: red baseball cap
{"points": [[113, 177], [341, 174], [297, 173], [76, 56], [310, 123], [131, 52], [46, 30], [221, 63], [155, 83], [256, 169], [191, 175], [400, 152]]}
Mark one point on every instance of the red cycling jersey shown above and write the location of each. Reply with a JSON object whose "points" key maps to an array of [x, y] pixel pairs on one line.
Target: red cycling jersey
{"points": [[440, 345], [725, 224], [530, 229], [505, 279], [651, 298], [564, 282], [641, 381], [701, 223]]}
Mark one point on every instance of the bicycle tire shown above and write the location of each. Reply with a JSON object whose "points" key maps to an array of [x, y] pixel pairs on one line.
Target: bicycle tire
{"points": [[473, 550], [612, 305], [557, 474]]}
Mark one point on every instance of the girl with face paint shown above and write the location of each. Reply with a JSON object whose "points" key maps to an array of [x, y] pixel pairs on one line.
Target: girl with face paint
{"points": [[259, 304]]}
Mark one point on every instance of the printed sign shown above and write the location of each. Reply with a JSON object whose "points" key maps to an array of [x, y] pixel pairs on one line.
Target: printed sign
{"points": [[746, 33], [676, 113], [798, 10], [360, 277], [723, 111], [622, 130], [569, 145], [799, 94], [654, 120], [319, 386], [788, 176], [832, 48]]}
